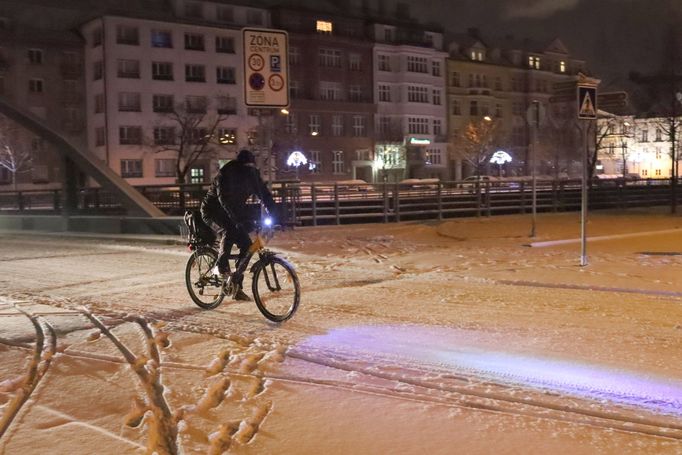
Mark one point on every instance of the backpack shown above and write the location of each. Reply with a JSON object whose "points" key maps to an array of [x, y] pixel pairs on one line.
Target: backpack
{"points": [[199, 233]]}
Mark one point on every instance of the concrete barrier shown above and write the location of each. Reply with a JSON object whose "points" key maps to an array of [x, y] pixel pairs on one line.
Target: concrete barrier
{"points": [[92, 224]]}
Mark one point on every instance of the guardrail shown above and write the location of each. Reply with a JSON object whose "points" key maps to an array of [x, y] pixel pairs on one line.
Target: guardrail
{"points": [[343, 203]]}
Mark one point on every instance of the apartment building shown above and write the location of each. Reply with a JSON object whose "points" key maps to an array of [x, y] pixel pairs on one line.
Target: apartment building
{"points": [[41, 71], [156, 85], [331, 117], [498, 81], [410, 92], [636, 146]]}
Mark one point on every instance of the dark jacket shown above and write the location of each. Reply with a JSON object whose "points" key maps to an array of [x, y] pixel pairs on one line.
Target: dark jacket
{"points": [[232, 187]]}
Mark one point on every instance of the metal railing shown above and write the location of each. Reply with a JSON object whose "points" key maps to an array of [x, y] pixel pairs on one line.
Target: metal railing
{"points": [[342, 203]]}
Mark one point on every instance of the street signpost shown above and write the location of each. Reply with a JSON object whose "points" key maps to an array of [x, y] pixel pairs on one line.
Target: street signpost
{"points": [[535, 117], [587, 110]]}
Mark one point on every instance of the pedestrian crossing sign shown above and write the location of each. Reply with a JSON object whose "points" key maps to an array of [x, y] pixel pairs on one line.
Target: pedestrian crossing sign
{"points": [[587, 102]]}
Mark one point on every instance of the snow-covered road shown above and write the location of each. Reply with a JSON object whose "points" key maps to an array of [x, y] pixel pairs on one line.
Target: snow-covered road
{"points": [[409, 338]]}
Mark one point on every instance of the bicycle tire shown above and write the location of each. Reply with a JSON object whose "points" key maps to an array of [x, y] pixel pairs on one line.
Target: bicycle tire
{"points": [[276, 270], [203, 260]]}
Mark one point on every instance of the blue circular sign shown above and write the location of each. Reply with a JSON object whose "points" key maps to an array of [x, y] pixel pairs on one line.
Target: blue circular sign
{"points": [[257, 81]]}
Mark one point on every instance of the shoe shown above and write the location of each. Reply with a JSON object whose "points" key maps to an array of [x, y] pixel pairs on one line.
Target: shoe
{"points": [[222, 275], [241, 296]]}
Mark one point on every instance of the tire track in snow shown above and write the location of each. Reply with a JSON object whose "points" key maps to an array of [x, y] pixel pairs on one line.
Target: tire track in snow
{"points": [[499, 402], [40, 362]]}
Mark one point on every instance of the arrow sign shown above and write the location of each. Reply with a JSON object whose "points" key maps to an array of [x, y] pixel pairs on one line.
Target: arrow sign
{"points": [[587, 102]]}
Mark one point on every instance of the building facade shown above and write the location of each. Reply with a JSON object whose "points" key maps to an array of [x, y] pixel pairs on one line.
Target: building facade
{"points": [[638, 147], [331, 116], [498, 82], [159, 89], [409, 90]]}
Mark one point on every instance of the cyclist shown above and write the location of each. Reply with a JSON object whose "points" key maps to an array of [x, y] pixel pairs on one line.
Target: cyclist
{"points": [[225, 206]]}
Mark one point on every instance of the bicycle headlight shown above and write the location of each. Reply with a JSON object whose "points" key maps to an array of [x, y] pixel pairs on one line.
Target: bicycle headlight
{"points": [[267, 221]]}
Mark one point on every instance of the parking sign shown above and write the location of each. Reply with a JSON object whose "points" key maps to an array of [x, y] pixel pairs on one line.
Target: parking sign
{"points": [[265, 68]]}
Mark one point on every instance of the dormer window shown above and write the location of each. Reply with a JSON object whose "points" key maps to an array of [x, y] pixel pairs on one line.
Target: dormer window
{"points": [[562, 66], [534, 62], [324, 27], [476, 55]]}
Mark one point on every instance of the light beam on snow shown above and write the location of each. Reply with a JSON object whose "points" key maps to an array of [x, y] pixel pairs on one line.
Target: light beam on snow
{"points": [[411, 347]]}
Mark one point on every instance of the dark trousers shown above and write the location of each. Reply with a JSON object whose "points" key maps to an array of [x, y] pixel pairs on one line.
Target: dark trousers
{"points": [[229, 234]]}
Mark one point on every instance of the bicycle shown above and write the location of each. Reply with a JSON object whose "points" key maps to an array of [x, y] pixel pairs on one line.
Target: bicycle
{"points": [[275, 285]]}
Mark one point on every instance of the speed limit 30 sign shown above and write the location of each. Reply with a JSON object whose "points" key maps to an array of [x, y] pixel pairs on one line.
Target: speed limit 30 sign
{"points": [[266, 69]]}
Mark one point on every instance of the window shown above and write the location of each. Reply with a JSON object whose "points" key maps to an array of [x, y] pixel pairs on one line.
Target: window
{"points": [[330, 91], [645, 136], [35, 85], [126, 34], [354, 62], [227, 105], [164, 167], [131, 168], [658, 172], [363, 155], [99, 103], [162, 103], [645, 172], [437, 127], [164, 135], [194, 9], [455, 79], [562, 66], [224, 44], [162, 71], [225, 75], [227, 136], [196, 175], [129, 102], [291, 123], [97, 37], [197, 135], [436, 97], [294, 90], [97, 71], [100, 136], [417, 94], [337, 162], [337, 125], [435, 68], [417, 64], [355, 93], [225, 13], [314, 124], [5, 175], [384, 62], [194, 41], [314, 163], [35, 56], [473, 107], [384, 124], [498, 110], [533, 62], [129, 69], [130, 135], [294, 55], [434, 157], [498, 83], [330, 58], [456, 110], [476, 55], [659, 135], [162, 38], [323, 27], [195, 73], [359, 126], [384, 93], [417, 125], [254, 17], [196, 104], [658, 153]]}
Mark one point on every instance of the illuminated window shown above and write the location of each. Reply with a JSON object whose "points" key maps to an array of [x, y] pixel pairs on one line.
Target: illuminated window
{"points": [[562, 66], [534, 62], [324, 27], [337, 162]]}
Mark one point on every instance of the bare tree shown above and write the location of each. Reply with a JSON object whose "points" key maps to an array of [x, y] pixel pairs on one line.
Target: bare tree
{"points": [[15, 156], [191, 133], [474, 144]]}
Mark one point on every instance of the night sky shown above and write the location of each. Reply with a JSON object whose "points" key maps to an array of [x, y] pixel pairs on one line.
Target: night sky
{"points": [[614, 36]]}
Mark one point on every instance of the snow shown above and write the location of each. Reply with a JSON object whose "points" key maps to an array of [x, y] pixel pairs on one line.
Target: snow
{"points": [[464, 336]]}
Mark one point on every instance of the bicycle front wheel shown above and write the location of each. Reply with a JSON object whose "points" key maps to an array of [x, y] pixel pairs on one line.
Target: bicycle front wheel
{"points": [[205, 289], [276, 289]]}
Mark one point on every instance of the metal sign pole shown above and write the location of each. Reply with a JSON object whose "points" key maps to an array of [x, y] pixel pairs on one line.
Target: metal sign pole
{"points": [[535, 126], [583, 199]]}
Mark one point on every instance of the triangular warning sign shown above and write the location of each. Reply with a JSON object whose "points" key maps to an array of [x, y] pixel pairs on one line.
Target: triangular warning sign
{"points": [[587, 106]]}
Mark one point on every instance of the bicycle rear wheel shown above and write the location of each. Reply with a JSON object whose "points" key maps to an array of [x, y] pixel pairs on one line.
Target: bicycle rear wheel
{"points": [[205, 289], [276, 289]]}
